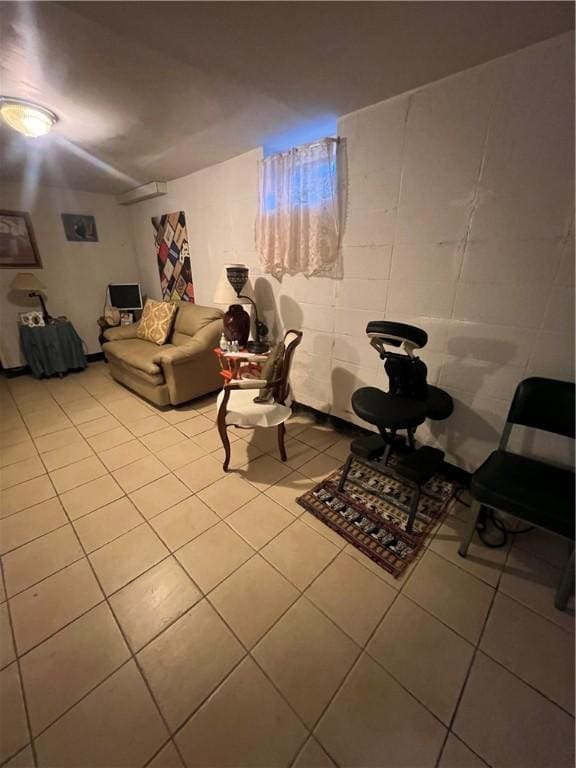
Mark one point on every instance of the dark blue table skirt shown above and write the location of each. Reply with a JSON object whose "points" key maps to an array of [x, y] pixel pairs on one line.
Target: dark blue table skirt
{"points": [[52, 349]]}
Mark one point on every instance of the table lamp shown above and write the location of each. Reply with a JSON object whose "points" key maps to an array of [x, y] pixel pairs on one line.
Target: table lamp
{"points": [[237, 275], [27, 281]]}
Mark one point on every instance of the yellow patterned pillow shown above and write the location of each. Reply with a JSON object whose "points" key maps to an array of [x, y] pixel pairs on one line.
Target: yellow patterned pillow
{"points": [[156, 321]]}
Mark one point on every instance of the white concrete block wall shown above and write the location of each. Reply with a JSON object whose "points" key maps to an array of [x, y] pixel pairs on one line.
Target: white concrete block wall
{"points": [[459, 219]]}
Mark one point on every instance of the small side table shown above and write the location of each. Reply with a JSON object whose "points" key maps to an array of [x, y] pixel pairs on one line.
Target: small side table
{"points": [[231, 362], [52, 349]]}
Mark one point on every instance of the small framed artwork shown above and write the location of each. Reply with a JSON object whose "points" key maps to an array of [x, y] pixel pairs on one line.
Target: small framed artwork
{"points": [[17, 242], [80, 228]]}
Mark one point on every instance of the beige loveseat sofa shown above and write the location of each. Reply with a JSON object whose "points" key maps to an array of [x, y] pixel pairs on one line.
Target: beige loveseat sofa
{"points": [[181, 370]]}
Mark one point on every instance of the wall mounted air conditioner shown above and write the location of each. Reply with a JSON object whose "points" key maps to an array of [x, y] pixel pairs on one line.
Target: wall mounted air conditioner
{"points": [[146, 192]]}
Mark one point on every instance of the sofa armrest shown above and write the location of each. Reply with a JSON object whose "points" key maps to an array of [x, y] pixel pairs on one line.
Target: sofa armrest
{"points": [[179, 355], [121, 332]]}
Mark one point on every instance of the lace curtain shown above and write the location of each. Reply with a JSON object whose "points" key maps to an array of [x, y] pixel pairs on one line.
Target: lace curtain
{"points": [[297, 230]]}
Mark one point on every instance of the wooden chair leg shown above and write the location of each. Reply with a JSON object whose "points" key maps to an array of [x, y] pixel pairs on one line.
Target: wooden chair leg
{"points": [[566, 586], [474, 514], [225, 443], [281, 446]]}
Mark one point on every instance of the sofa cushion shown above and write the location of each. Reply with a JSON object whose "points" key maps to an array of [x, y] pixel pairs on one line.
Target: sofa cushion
{"points": [[156, 321], [136, 353], [190, 318]]}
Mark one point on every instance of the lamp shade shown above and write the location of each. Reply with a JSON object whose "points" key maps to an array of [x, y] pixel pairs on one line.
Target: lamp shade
{"points": [[27, 281], [225, 294]]}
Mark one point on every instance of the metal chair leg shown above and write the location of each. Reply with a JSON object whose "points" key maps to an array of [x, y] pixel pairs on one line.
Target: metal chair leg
{"points": [[345, 472], [474, 515], [413, 510], [566, 586]]}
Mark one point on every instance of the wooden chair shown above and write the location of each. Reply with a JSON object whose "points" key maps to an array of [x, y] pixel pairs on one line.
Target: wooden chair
{"points": [[236, 406]]}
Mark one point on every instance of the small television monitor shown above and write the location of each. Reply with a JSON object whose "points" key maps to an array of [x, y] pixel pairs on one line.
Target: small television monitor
{"points": [[125, 295]]}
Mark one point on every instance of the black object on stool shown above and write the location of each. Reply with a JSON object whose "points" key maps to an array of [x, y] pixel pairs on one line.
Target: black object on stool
{"points": [[409, 401]]}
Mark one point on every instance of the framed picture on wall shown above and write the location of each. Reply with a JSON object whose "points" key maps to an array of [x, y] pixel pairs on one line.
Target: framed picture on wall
{"points": [[17, 242], [80, 228]]}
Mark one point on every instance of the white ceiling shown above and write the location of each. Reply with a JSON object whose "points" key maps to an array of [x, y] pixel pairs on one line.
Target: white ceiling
{"points": [[156, 90]]}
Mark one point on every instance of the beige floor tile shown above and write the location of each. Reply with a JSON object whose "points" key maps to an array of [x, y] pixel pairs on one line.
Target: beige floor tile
{"points": [[25, 495], [547, 546], [211, 441], [45, 608], [260, 520], [324, 655], [146, 425], [139, 473], [14, 731], [110, 439], [228, 494], [341, 449], [77, 474], [179, 413], [127, 557], [31, 523], [426, 657], [7, 654], [183, 522], [15, 474], [263, 438], [116, 725], [320, 467], [313, 756], [98, 426], [65, 667], [107, 523], [264, 472], [299, 553], [213, 555], [12, 454], [372, 716], [242, 453], [319, 437], [396, 582], [130, 409], [40, 558], [23, 759], [195, 426], [152, 601], [455, 597], [533, 582], [481, 561], [198, 648], [252, 599], [200, 473], [297, 453], [318, 526], [2, 592], [168, 757], [84, 415], [508, 723], [13, 436], [160, 495], [247, 717], [68, 454], [90, 496], [288, 489], [163, 438], [47, 424], [520, 639], [176, 456], [121, 455], [457, 755], [352, 597]]}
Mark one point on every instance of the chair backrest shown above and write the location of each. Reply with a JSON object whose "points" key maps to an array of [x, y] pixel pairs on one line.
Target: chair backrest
{"points": [[291, 341], [545, 404]]}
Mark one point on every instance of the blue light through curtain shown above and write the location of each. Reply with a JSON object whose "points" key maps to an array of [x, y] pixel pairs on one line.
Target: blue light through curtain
{"points": [[298, 228]]}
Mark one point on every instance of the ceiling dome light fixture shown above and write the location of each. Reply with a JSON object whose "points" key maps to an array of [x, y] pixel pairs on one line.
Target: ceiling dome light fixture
{"points": [[26, 117]]}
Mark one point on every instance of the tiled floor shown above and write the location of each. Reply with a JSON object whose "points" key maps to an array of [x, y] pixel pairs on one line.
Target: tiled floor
{"points": [[157, 611]]}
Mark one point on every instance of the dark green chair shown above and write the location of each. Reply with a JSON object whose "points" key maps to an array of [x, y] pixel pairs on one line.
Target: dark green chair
{"points": [[539, 493]]}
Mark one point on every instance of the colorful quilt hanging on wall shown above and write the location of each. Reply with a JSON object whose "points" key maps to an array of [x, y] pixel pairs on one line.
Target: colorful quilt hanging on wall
{"points": [[173, 257]]}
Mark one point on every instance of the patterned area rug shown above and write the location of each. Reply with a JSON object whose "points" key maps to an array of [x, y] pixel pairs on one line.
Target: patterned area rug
{"points": [[372, 511]]}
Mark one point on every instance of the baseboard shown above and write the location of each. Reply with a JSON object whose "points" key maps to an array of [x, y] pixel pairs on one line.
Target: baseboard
{"points": [[95, 357], [452, 472]]}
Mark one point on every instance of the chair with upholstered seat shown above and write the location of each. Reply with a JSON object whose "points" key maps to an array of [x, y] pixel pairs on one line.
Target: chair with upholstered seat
{"points": [[537, 492], [237, 408]]}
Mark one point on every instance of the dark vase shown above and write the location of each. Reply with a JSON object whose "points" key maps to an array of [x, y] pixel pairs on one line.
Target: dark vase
{"points": [[237, 324]]}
